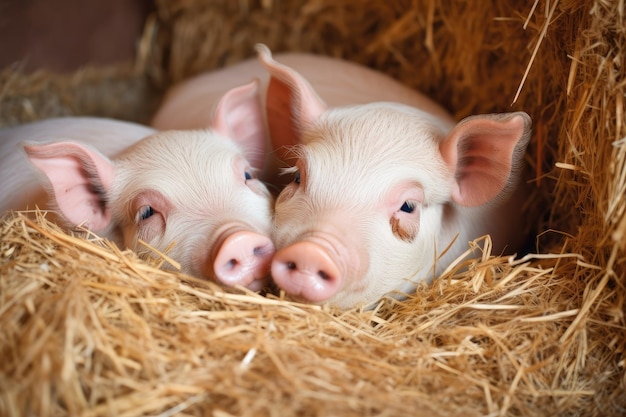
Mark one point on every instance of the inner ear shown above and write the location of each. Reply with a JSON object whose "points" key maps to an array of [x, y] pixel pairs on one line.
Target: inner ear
{"points": [[291, 103], [80, 179], [485, 153], [239, 116]]}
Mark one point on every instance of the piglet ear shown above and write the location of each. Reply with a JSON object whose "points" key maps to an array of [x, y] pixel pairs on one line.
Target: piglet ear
{"points": [[238, 116], [80, 179], [485, 153], [291, 103]]}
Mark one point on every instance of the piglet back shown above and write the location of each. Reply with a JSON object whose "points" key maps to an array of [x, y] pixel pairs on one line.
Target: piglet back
{"points": [[23, 186]]}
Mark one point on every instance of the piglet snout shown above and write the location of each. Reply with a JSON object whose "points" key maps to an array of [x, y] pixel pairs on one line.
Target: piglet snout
{"points": [[306, 270], [244, 258]]}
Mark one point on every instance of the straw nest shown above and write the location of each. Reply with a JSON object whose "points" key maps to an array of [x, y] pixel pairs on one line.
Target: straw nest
{"points": [[90, 330]]}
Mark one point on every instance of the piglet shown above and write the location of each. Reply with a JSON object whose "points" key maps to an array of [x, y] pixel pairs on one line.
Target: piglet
{"points": [[380, 190], [128, 182]]}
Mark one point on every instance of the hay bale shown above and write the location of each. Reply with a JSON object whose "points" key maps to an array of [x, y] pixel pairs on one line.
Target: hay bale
{"points": [[91, 330], [119, 92]]}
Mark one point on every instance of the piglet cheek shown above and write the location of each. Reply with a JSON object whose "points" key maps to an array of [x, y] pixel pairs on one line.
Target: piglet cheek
{"points": [[258, 188], [286, 194]]}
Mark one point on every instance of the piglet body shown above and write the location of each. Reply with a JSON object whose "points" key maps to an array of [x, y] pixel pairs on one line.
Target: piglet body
{"points": [[188, 105], [382, 189], [128, 182]]}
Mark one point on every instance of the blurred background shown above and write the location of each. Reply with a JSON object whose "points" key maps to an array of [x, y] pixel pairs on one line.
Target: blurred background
{"points": [[63, 35]]}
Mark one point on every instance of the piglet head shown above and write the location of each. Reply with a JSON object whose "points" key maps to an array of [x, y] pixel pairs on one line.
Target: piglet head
{"points": [[372, 187], [196, 190]]}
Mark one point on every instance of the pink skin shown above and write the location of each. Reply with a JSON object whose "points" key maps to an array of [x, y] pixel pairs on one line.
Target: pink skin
{"points": [[244, 259], [306, 270], [392, 186], [178, 187]]}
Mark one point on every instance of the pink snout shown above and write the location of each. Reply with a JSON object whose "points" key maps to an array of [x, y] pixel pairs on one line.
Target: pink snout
{"points": [[244, 259], [306, 270]]}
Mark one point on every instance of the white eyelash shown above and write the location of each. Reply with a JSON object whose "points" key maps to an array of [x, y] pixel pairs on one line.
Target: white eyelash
{"points": [[290, 170]]}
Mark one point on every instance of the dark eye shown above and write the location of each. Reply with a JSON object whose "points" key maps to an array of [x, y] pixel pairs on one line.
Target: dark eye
{"points": [[145, 212], [297, 178], [248, 175], [408, 207]]}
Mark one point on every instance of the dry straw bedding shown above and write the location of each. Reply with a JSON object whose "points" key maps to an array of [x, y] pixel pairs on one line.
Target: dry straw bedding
{"points": [[90, 330]]}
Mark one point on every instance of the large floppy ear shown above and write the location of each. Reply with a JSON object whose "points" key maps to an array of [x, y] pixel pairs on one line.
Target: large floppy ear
{"points": [[238, 116], [80, 179], [291, 103], [485, 153]]}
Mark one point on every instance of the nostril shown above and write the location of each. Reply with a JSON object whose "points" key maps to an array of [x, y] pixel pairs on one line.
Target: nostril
{"points": [[291, 265], [263, 250], [232, 263], [324, 275]]}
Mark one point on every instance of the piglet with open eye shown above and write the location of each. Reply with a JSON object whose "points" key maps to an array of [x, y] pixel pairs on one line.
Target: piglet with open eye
{"points": [[196, 188], [382, 189]]}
